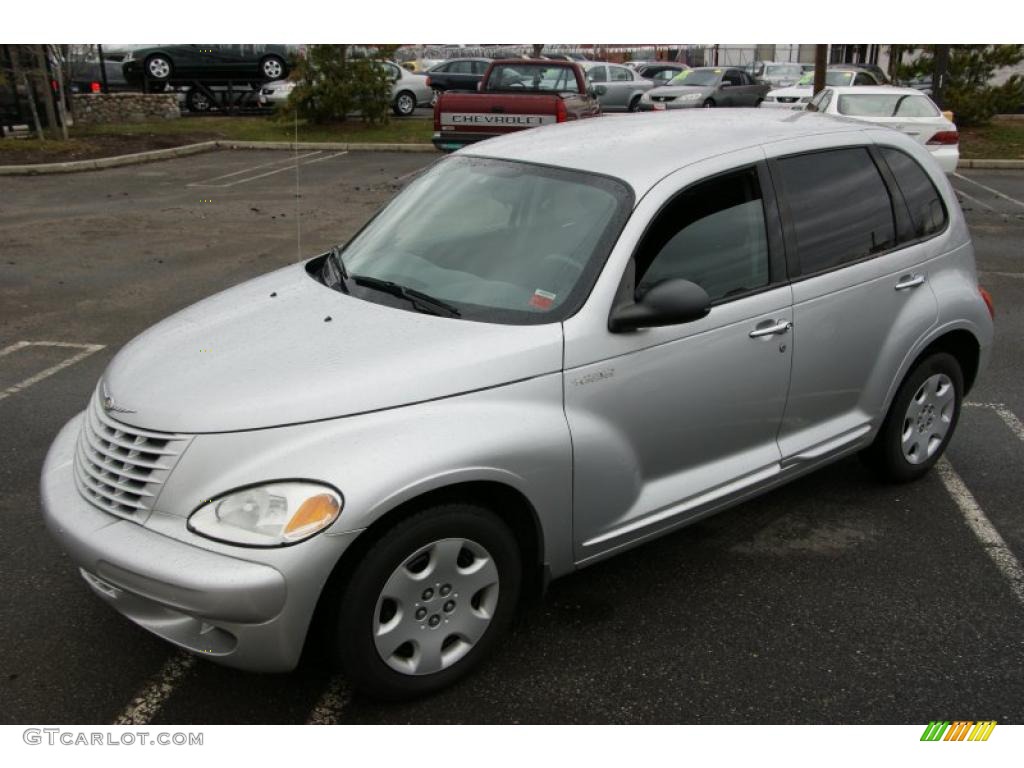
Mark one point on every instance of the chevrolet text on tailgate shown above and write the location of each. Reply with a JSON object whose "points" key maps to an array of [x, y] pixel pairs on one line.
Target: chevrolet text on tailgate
{"points": [[513, 95], [547, 349]]}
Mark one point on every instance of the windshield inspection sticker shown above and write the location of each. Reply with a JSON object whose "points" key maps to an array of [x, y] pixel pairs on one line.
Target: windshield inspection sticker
{"points": [[542, 299]]}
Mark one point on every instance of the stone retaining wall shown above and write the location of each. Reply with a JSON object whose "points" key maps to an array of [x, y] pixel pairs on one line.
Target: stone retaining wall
{"points": [[91, 108]]}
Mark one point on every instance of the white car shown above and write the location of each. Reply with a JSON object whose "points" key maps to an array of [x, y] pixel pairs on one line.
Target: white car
{"points": [[795, 96], [905, 109]]}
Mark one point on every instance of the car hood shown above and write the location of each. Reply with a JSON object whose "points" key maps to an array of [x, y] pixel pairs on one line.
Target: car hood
{"points": [[285, 349], [680, 90]]}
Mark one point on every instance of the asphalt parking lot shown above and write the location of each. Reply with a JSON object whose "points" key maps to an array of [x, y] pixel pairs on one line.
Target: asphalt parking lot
{"points": [[832, 600]]}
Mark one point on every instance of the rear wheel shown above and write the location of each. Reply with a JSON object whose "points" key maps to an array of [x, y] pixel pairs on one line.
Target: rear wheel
{"points": [[634, 104], [708, 103], [197, 101], [921, 420], [158, 67], [427, 602], [272, 67], [405, 104]]}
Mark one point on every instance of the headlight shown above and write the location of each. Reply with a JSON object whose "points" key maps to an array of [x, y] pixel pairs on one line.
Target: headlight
{"points": [[270, 515], [688, 97]]}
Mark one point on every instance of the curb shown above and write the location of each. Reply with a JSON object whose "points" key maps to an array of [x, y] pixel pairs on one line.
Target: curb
{"points": [[76, 166], [1009, 164]]}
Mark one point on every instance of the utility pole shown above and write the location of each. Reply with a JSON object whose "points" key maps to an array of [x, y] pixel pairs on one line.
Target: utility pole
{"points": [[820, 65], [940, 67], [103, 69]]}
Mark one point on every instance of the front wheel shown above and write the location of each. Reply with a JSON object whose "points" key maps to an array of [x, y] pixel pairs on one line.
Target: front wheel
{"points": [[427, 602], [405, 104], [708, 103], [921, 420], [634, 104], [158, 68]]}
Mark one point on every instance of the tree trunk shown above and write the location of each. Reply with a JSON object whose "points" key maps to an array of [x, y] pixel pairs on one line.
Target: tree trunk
{"points": [[537, 50], [61, 107], [43, 79]]}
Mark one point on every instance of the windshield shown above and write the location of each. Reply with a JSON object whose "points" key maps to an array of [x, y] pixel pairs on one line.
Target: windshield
{"points": [[887, 105], [532, 77], [783, 70], [677, 79], [831, 78], [501, 241], [698, 77]]}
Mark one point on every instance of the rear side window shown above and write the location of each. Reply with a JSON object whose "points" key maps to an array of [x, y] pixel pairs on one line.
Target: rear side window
{"points": [[839, 205], [927, 211], [712, 234]]}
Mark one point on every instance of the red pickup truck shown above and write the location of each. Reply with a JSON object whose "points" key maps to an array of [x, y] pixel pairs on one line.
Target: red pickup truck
{"points": [[512, 95]]}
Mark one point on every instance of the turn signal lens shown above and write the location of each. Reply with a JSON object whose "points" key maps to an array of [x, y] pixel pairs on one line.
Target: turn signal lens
{"points": [[315, 513]]}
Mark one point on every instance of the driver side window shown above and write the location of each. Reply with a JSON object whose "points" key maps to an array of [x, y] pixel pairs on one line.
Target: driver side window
{"points": [[712, 234]]}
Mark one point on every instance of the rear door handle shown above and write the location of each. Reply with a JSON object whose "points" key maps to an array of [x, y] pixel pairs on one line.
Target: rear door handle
{"points": [[780, 326], [907, 282]]}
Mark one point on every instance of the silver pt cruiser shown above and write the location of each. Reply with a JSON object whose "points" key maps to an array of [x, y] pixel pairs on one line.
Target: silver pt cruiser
{"points": [[550, 347]]}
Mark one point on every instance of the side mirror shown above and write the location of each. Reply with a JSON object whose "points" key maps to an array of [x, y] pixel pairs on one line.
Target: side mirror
{"points": [[669, 302], [592, 91]]}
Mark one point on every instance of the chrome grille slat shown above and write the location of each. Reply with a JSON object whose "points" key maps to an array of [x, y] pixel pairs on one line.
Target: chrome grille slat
{"points": [[120, 468]]}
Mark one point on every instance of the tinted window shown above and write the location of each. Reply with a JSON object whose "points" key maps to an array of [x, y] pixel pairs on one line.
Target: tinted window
{"points": [[620, 73], [479, 67], [712, 234], [927, 213], [597, 74], [886, 105], [840, 207], [550, 78]]}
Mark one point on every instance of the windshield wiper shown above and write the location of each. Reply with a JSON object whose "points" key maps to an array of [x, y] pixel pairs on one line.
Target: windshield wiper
{"points": [[334, 273], [423, 302]]}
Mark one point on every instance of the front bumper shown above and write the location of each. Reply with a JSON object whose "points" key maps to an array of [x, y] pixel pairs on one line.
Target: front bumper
{"points": [[791, 105], [244, 607], [449, 141], [661, 106]]}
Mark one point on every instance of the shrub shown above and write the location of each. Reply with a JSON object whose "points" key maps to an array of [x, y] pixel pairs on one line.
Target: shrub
{"points": [[332, 84]]}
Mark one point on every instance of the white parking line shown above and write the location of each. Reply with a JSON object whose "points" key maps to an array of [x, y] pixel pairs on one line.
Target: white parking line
{"points": [[1001, 274], [87, 349], [1009, 417], [982, 203], [990, 189], [268, 173], [154, 693], [982, 528], [280, 160], [331, 705]]}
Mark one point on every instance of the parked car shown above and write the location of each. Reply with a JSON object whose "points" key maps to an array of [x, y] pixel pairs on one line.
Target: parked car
{"points": [[777, 74], [276, 92], [903, 109], [618, 88], [514, 94], [457, 74], [608, 343], [801, 93], [660, 73], [408, 90], [163, 63], [85, 76], [705, 87]]}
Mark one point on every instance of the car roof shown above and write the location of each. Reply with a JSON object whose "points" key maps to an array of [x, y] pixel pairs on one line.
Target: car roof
{"points": [[643, 148]]}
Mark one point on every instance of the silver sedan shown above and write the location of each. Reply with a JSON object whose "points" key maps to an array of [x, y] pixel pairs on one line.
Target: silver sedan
{"points": [[617, 87], [705, 87]]}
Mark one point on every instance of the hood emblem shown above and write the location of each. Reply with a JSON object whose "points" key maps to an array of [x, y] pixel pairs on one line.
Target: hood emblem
{"points": [[107, 401]]}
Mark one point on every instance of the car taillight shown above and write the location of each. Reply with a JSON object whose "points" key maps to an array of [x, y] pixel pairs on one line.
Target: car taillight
{"points": [[945, 137], [95, 87], [561, 113], [987, 298]]}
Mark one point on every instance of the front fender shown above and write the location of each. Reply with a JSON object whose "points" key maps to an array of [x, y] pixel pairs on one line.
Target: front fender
{"points": [[514, 434]]}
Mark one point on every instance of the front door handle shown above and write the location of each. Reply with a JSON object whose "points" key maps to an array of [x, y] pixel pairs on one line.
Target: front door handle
{"points": [[909, 281], [780, 327]]}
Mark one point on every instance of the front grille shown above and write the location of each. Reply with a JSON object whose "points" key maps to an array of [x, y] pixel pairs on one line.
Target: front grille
{"points": [[663, 98], [120, 468], [788, 99]]}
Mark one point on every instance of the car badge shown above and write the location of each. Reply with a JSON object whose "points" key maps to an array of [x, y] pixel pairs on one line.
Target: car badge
{"points": [[108, 401]]}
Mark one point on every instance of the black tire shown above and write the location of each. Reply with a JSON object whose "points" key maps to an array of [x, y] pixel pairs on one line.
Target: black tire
{"points": [[886, 455], [404, 104], [351, 631], [197, 101], [634, 103], [158, 68], [273, 67], [708, 103]]}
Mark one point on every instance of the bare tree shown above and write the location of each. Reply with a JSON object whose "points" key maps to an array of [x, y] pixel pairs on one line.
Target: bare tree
{"points": [[42, 78], [537, 50]]}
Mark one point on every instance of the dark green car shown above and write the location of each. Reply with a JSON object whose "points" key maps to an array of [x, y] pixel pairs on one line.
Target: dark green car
{"points": [[161, 64]]}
